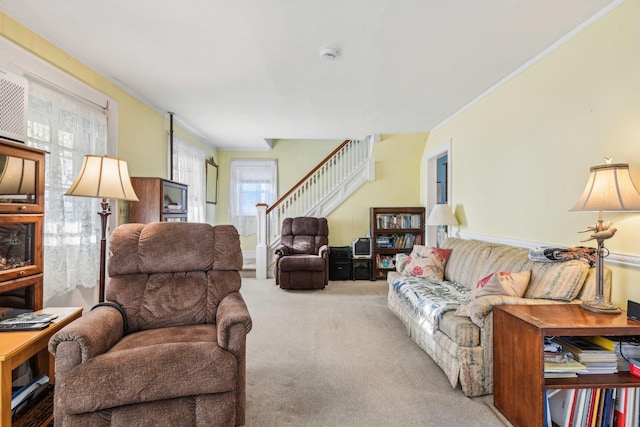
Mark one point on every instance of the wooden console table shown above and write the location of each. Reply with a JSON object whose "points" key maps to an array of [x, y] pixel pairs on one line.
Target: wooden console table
{"points": [[518, 360], [18, 347]]}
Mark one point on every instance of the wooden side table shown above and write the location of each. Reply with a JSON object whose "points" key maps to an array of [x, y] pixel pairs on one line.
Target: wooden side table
{"points": [[518, 360], [18, 347]]}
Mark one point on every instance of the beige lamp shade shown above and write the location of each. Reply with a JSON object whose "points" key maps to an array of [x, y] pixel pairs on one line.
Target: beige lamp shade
{"points": [[18, 177], [609, 188], [104, 177], [441, 214]]}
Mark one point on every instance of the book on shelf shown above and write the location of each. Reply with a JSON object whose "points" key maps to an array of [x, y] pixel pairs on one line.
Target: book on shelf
{"points": [[625, 408], [560, 406], [598, 407], [396, 221], [569, 368]]}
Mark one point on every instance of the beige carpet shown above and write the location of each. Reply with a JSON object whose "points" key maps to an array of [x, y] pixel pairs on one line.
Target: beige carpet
{"points": [[340, 357]]}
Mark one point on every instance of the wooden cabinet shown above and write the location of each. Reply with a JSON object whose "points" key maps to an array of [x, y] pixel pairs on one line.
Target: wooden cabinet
{"points": [[160, 200], [518, 360], [21, 225], [394, 230]]}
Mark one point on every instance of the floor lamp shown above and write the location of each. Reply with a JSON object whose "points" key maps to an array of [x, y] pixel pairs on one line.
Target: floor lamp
{"points": [[609, 188], [105, 178]]}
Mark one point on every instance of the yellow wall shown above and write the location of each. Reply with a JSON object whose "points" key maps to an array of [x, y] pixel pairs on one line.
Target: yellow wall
{"points": [[142, 130], [397, 162], [521, 156], [397, 159]]}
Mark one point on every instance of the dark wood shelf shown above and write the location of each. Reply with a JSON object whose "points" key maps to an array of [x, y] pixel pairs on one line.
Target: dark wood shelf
{"points": [[394, 222]]}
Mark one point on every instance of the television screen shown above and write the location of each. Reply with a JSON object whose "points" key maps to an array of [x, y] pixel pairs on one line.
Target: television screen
{"points": [[361, 248]]}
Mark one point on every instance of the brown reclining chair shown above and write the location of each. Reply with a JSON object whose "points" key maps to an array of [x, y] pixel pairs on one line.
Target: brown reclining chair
{"points": [[303, 255], [168, 346]]}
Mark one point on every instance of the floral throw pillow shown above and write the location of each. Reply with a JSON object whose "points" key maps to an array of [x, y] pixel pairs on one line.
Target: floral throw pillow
{"points": [[499, 283], [503, 283], [427, 262]]}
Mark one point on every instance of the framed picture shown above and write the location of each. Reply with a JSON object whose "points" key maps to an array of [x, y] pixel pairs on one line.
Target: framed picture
{"points": [[212, 181]]}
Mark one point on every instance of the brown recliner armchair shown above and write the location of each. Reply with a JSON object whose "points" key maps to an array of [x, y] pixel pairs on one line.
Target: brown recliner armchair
{"points": [[168, 346], [303, 254]]}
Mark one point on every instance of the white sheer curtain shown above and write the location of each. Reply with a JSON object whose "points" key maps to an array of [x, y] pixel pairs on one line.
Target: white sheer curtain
{"points": [[253, 181], [67, 128], [189, 167]]}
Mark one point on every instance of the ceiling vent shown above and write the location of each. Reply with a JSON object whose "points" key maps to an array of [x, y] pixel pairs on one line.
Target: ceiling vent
{"points": [[14, 92]]}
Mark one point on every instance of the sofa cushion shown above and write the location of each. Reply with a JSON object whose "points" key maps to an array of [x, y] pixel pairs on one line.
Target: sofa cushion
{"points": [[549, 280], [427, 262], [559, 281], [133, 370], [460, 330], [467, 258], [429, 299]]}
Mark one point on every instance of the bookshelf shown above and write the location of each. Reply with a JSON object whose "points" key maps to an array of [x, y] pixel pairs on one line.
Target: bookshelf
{"points": [[518, 360], [394, 230]]}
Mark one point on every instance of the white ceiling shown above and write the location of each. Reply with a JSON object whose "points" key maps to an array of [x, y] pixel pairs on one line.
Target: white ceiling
{"points": [[240, 72]]}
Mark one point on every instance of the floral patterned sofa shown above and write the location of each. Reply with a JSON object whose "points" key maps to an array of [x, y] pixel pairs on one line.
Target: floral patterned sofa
{"points": [[454, 325]]}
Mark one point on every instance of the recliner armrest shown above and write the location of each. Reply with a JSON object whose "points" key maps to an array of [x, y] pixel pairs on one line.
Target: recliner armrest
{"points": [[232, 310], [323, 251], [93, 334], [282, 250]]}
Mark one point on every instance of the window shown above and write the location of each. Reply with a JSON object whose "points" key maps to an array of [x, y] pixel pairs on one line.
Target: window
{"points": [[252, 182], [68, 128], [189, 168]]}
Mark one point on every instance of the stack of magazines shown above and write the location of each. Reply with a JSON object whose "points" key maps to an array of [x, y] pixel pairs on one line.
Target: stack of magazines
{"points": [[27, 322], [28, 393], [597, 359]]}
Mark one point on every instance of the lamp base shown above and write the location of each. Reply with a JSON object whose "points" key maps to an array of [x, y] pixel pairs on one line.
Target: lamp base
{"points": [[600, 307]]}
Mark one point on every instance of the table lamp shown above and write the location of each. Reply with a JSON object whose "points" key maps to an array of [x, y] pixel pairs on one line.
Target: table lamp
{"points": [[441, 215], [106, 178], [18, 177], [609, 188]]}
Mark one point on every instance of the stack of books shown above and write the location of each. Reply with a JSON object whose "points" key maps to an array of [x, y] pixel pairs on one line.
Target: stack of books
{"points": [[596, 359], [558, 363], [564, 369], [625, 347]]}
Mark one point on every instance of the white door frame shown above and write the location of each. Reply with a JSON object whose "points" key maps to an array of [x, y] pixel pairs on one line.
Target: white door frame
{"points": [[430, 176]]}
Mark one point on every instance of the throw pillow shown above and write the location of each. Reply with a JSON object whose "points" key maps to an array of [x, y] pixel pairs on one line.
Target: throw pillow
{"points": [[503, 283], [500, 283], [401, 262], [427, 262]]}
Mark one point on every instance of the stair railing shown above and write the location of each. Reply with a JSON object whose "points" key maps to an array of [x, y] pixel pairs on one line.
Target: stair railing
{"points": [[304, 198]]}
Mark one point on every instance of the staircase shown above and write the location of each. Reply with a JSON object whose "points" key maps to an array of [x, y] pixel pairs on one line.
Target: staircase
{"points": [[321, 191]]}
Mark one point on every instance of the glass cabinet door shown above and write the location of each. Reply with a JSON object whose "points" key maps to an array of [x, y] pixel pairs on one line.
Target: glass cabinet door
{"points": [[21, 178], [20, 246]]}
